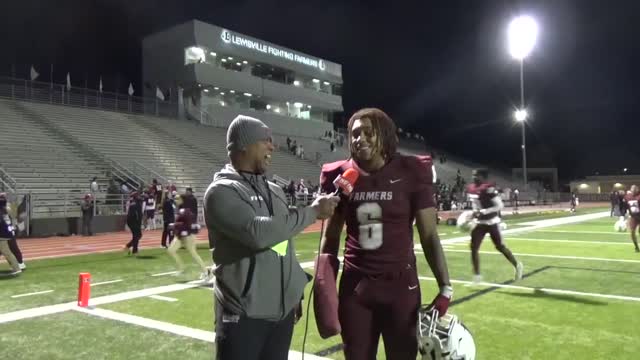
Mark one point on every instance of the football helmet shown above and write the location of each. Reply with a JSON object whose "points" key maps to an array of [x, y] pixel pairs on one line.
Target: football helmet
{"points": [[466, 221], [444, 338]]}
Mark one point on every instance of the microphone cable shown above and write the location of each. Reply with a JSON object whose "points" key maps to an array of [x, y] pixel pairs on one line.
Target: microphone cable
{"points": [[306, 325]]}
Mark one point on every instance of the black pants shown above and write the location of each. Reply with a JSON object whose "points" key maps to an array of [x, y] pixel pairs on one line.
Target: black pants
{"points": [[166, 234], [87, 225], [252, 339], [136, 235], [13, 245]]}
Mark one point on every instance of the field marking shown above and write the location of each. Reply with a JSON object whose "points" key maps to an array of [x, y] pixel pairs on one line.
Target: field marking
{"points": [[208, 336], [534, 225], [547, 290], [570, 241], [567, 219], [106, 282], [163, 298], [588, 232], [552, 256], [101, 300], [198, 334], [165, 273], [31, 294]]}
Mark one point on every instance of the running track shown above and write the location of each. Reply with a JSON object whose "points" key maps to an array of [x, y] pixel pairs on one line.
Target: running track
{"points": [[58, 246]]}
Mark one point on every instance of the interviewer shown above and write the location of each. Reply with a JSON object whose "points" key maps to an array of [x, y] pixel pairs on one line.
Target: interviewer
{"points": [[259, 282]]}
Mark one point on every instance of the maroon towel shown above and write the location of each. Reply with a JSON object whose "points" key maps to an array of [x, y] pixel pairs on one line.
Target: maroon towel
{"points": [[325, 295]]}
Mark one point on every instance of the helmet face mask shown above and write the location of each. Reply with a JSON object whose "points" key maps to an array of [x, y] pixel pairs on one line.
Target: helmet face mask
{"points": [[445, 338]]}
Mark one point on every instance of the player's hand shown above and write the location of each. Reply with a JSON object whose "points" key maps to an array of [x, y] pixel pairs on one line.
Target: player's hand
{"points": [[325, 205], [441, 301]]}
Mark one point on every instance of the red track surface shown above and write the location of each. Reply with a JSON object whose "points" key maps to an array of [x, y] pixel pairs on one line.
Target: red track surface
{"points": [[58, 246]]}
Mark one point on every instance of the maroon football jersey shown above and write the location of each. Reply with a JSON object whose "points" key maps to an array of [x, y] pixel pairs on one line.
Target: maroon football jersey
{"points": [[482, 195], [633, 204], [381, 210]]}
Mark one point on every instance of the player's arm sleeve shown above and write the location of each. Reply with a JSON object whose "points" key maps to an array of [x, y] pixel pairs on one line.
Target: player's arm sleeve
{"points": [[228, 212], [497, 205], [422, 198]]}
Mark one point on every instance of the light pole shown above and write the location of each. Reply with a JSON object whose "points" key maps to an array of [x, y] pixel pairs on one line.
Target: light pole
{"points": [[522, 34]]}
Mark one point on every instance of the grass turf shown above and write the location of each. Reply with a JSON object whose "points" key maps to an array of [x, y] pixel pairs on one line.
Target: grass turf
{"points": [[507, 323]]}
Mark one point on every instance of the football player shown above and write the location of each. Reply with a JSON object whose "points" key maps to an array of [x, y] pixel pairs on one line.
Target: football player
{"points": [[379, 292], [632, 205], [487, 204]]}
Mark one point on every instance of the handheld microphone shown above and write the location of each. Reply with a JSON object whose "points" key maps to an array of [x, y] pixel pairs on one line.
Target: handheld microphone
{"points": [[344, 186], [344, 183]]}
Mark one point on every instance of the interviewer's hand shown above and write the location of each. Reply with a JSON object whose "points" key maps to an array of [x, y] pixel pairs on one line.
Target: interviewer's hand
{"points": [[325, 205]]}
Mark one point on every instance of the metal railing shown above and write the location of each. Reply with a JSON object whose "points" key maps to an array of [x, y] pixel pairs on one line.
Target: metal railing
{"points": [[22, 89], [7, 180], [147, 174]]}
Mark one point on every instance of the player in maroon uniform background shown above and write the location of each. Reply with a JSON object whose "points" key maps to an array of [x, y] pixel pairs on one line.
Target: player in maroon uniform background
{"points": [[379, 292], [632, 205], [487, 204]]}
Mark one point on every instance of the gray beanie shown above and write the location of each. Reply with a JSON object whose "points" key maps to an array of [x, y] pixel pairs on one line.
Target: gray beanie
{"points": [[244, 131]]}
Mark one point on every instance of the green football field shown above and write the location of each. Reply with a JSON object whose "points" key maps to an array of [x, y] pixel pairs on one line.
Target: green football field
{"points": [[578, 300]]}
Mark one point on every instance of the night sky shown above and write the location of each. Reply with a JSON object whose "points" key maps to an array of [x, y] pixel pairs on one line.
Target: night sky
{"points": [[440, 68]]}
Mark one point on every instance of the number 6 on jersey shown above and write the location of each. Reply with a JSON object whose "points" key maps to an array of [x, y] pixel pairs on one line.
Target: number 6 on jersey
{"points": [[370, 225]]}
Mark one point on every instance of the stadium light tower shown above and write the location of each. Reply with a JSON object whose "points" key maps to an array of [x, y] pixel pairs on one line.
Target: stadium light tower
{"points": [[522, 34]]}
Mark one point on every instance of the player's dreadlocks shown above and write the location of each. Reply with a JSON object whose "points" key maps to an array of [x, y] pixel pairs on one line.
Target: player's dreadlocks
{"points": [[383, 126]]}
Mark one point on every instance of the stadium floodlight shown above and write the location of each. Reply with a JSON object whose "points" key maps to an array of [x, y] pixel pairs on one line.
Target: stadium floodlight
{"points": [[522, 34], [521, 115]]}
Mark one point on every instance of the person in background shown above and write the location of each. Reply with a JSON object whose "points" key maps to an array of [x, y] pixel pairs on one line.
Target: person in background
{"points": [[6, 234], [87, 215], [168, 217], [134, 222], [183, 229], [190, 202]]}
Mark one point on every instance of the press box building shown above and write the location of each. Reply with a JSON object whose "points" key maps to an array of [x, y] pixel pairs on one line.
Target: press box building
{"points": [[218, 74]]}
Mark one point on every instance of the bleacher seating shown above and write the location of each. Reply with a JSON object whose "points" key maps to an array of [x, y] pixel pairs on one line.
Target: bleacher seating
{"points": [[42, 164]]}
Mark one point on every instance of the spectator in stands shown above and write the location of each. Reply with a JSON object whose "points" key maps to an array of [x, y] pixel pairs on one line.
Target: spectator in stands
{"points": [[94, 186], [134, 222], [291, 191], [332, 147], [301, 152], [124, 188], [87, 215], [288, 143], [6, 234]]}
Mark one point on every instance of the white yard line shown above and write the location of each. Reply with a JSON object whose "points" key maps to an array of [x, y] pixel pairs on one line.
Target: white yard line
{"points": [[31, 294], [106, 282], [588, 232], [551, 256], [533, 289], [198, 334], [626, 243], [101, 300], [567, 219], [163, 298], [534, 225], [165, 273]]}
